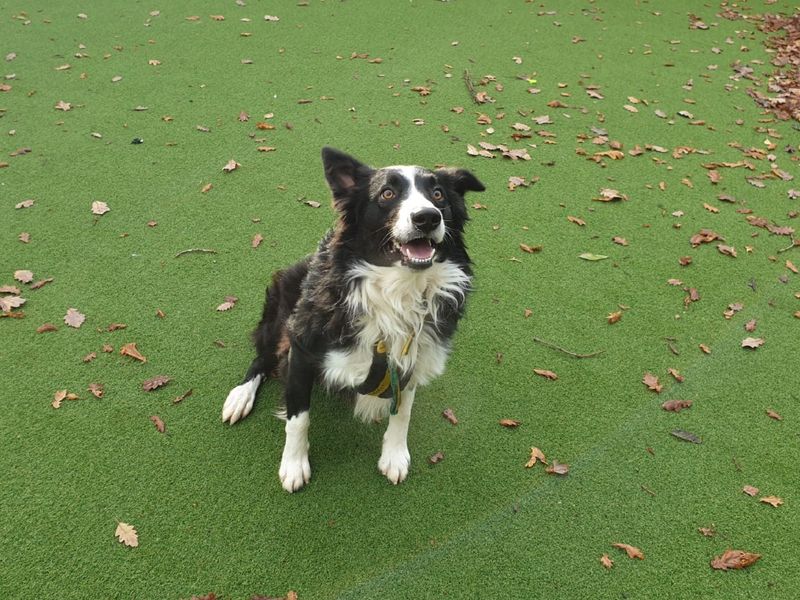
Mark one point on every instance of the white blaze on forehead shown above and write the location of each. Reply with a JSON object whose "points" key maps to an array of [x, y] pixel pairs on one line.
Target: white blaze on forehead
{"points": [[412, 202]]}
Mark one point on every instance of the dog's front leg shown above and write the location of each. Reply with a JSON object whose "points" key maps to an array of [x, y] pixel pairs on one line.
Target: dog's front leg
{"points": [[295, 470], [395, 457]]}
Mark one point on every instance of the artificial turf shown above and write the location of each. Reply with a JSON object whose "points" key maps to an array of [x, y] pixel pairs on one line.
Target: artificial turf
{"points": [[204, 497]]}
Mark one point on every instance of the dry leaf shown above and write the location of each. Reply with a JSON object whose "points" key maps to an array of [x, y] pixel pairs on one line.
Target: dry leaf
{"points": [[557, 468], [734, 559], [23, 276], [132, 351], [773, 415], [158, 423], [45, 327], [632, 551], [206, 188], [652, 383], [772, 501], [750, 490], [676, 405], [510, 423], [90, 357], [73, 318], [96, 389], [707, 531], [536, 455], [436, 458], [530, 249], [686, 436], [546, 374], [99, 207], [256, 241], [450, 416], [614, 317], [183, 396], [576, 220], [9, 302], [752, 342], [231, 165], [127, 535], [155, 383], [678, 377], [606, 561]]}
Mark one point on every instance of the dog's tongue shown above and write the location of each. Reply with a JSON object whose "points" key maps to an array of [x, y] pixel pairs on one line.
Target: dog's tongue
{"points": [[420, 249]]}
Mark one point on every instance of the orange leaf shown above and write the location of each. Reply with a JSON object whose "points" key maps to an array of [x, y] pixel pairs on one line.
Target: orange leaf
{"points": [[510, 423], [606, 561], [633, 551], [536, 455], [132, 351], [734, 559]]}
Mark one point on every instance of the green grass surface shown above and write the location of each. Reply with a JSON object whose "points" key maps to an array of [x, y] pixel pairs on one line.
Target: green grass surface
{"points": [[205, 498]]}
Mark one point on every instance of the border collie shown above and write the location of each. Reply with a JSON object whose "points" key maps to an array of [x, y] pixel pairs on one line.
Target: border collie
{"points": [[373, 311]]}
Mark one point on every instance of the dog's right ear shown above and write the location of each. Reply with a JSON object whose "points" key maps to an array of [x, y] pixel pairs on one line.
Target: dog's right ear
{"points": [[344, 174]]}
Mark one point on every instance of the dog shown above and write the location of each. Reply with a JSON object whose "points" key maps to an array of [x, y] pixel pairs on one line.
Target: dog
{"points": [[373, 311]]}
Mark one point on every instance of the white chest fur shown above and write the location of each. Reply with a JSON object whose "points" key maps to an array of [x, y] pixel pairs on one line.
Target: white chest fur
{"points": [[395, 304]]}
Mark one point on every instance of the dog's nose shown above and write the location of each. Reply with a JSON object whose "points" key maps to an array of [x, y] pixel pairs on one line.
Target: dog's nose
{"points": [[426, 219]]}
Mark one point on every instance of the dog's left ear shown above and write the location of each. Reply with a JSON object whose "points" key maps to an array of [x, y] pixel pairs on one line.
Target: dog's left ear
{"points": [[343, 172], [461, 180]]}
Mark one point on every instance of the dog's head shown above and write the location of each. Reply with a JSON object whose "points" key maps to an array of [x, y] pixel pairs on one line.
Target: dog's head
{"points": [[403, 214]]}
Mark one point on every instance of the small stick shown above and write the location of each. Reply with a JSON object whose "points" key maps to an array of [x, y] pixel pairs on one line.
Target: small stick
{"points": [[470, 87], [565, 351], [196, 251], [795, 244]]}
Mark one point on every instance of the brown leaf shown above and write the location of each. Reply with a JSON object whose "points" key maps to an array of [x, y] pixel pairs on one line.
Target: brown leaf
{"points": [[10, 289], [436, 458], [45, 327], [752, 342], [96, 389], [231, 165], [108, 348], [183, 396], [727, 250], [750, 326], [73, 318], [530, 249], [619, 240], [707, 531], [704, 348], [89, 357], [578, 221], [609, 195], [734, 559], [116, 326], [773, 501], [155, 383], [24, 237], [256, 241], [773, 415], [450, 416], [58, 398], [132, 351], [606, 561], [791, 267], [652, 383], [41, 283], [536, 455], [23, 276], [127, 535], [546, 374], [676, 405], [632, 551], [614, 317], [206, 188], [750, 490], [678, 377], [7, 303], [510, 423], [158, 423], [557, 468], [266, 148], [99, 207]]}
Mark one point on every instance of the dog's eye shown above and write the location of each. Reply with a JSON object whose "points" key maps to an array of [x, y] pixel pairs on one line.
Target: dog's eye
{"points": [[438, 195], [387, 194]]}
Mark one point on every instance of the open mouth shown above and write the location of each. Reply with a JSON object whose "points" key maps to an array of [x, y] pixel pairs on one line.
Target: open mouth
{"points": [[417, 253]]}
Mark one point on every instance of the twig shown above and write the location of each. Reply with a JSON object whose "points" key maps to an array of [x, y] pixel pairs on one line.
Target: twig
{"points": [[565, 351], [470, 87], [196, 251], [794, 244]]}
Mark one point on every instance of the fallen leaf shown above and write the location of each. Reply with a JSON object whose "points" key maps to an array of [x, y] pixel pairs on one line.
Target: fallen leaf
{"points": [[510, 423], [183, 396], [546, 374], [678, 377], [773, 415], [65, 106], [614, 317], [752, 342], [450, 416], [23, 276], [9, 302], [73, 318], [530, 249], [436, 458], [45, 327], [676, 405], [206, 188], [592, 257], [686, 436], [99, 207], [231, 165], [89, 357], [132, 351], [632, 551], [256, 241], [41, 283], [652, 383], [606, 561], [734, 559], [127, 535], [536, 455], [750, 490], [96, 389], [704, 348], [773, 501], [557, 468], [25, 204], [707, 531], [578, 221], [158, 423], [155, 383]]}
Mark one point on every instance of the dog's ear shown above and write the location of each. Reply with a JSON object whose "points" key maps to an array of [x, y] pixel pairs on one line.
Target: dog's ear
{"points": [[344, 174], [461, 180]]}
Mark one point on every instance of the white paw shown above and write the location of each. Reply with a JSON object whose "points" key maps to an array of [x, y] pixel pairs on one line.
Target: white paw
{"points": [[295, 472], [240, 401], [394, 463]]}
